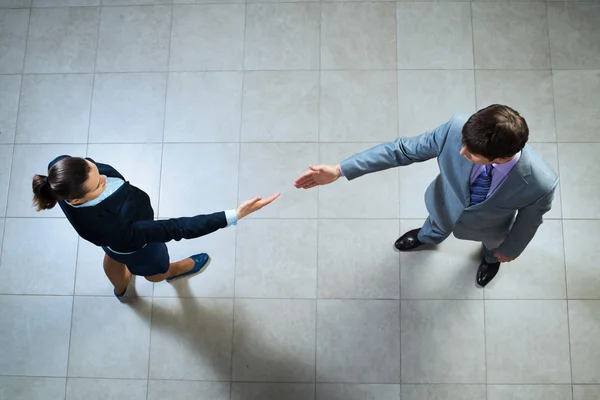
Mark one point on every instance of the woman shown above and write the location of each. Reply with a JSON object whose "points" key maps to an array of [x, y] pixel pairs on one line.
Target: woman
{"points": [[107, 211]]}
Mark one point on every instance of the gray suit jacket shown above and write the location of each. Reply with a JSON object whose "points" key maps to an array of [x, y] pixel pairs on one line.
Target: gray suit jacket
{"points": [[527, 191]]}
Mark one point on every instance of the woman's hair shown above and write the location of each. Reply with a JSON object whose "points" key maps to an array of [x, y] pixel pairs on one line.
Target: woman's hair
{"points": [[65, 181]]}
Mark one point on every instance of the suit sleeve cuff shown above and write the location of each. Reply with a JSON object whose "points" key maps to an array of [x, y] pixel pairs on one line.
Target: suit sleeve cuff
{"points": [[232, 217]]}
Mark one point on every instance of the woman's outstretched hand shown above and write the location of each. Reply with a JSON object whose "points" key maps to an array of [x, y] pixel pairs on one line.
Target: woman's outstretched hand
{"points": [[255, 204]]}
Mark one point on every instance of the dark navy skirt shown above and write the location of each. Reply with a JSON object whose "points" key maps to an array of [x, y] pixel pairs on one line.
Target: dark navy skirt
{"points": [[153, 259]]}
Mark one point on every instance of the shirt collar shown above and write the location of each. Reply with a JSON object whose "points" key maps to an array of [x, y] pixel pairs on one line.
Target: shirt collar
{"points": [[506, 167]]}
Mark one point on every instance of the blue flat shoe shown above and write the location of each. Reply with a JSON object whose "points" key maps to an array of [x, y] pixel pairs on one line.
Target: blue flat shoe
{"points": [[200, 262], [120, 295]]}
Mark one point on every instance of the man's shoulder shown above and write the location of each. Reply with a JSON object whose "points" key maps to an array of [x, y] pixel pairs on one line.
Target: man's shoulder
{"points": [[542, 173]]}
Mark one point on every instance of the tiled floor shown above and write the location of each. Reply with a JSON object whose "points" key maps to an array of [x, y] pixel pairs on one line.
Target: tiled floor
{"points": [[205, 105]]}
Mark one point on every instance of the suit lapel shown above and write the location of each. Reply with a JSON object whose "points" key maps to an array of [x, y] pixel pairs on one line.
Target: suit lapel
{"points": [[514, 181]]}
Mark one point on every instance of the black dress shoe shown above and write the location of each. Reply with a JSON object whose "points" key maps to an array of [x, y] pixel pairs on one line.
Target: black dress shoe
{"points": [[486, 272], [408, 241]]}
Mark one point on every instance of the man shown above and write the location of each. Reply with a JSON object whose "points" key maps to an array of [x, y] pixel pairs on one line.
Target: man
{"points": [[487, 176]]}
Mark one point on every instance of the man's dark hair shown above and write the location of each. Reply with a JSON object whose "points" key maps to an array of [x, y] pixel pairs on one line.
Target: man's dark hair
{"points": [[495, 132]]}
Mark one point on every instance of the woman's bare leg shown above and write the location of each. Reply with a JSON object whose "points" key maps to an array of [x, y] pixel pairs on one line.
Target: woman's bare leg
{"points": [[117, 274], [175, 268]]}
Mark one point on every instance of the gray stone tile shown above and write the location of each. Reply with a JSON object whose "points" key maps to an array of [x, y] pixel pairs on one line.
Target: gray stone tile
{"points": [[106, 389], [518, 346], [110, 339], [203, 107], [587, 392], [128, 108], [273, 391], [54, 109], [446, 43], [282, 36], [443, 341], [581, 253], [578, 162], [281, 106], [358, 36], [358, 341], [34, 336], [414, 181], [352, 391], [134, 39], [182, 390], [529, 392], [26, 388], [10, 90], [13, 37], [187, 348], [343, 270], [6, 153], [444, 392], [346, 117], [207, 37], [519, 32], [584, 317], [62, 39], [27, 272], [574, 35], [275, 265], [274, 340]]}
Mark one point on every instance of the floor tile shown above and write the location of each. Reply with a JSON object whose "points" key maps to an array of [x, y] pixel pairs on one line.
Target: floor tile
{"points": [[371, 196], [578, 164], [181, 390], [128, 108], [187, 348], [584, 322], [371, 354], [138, 163], [274, 340], [216, 280], [350, 391], [539, 273], [529, 392], [110, 339], [519, 32], [574, 34], [427, 99], [189, 170], [444, 272], [273, 391], [358, 36], [581, 253], [519, 348], [259, 178], [285, 265], [446, 43], [27, 272], [577, 105], [133, 39], [102, 389], [90, 279], [6, 153], [25, 388], [443, 392], [281, 106], [15, 3], [54, 109], [136, 2], [204, 107], [13, 39], [587, 392], [28, 161], [282, 36], [34, 333], [414, 181], [207, 37], [443, 341], [62, 39], [549, 153], [2, 220], [346, 117], [344, 272], [528, 92], [10, 90]]}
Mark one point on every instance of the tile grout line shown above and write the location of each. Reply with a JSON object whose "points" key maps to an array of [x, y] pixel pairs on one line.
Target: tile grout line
{"points": [[237, 232], [320, 49], [397, 111]]}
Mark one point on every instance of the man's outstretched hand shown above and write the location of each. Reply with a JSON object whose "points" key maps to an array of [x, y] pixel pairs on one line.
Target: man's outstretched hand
{"points": [[255, 204], [318, 175]]}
